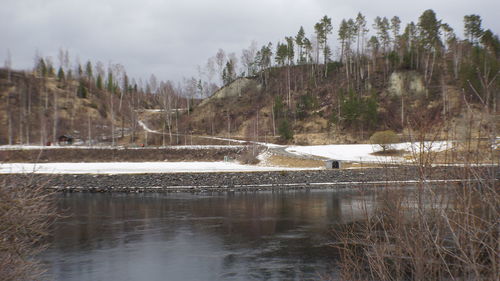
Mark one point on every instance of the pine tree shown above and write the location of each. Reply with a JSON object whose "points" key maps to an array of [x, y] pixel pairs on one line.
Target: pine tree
{"points": [[285, 130], [429, 28], [299, 41], [382, 27], [60, 74], [290, 53], [472, 28], [342, 35], [88, 70], [228, 73], [41, 68], [326, 22], [82, 90], [110, 85], [281, 54], [80, 71], [50, 70], [69, 75], [429, 35], [395, 27], [98, 82], [361, 31]]}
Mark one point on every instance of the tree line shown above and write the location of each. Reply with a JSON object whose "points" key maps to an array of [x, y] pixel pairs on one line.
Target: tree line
{"points": [[301, 70], [368, 54]]}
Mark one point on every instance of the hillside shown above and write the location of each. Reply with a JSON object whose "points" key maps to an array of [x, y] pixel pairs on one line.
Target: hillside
{"points": [[328, 112], [37, 109], [420, 87]]}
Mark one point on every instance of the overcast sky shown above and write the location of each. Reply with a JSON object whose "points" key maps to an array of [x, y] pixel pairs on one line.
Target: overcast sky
{"points": [[170, 38]]}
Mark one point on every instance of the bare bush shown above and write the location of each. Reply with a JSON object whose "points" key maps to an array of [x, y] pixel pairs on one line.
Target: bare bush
{"points": [[427, 235], [433, 232], [27, 210], [249, 155], [384, 139]]}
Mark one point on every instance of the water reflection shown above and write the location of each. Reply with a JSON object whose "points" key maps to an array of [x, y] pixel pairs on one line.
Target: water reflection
{"points": [[239, 236]]}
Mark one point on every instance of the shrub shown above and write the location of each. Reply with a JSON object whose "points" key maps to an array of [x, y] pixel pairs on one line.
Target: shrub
{"points": [[249, 156], [27, 210], [285, 131], [82, 91], [384, 139]]}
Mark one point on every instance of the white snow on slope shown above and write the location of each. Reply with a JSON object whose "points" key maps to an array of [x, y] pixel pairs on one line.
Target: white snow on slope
{"points": [[133, 168], [362, 152], [40, 147], [266, 144], [145, 128]]}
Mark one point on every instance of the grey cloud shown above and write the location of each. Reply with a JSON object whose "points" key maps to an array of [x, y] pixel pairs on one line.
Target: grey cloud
{"points": [[170, 38]]}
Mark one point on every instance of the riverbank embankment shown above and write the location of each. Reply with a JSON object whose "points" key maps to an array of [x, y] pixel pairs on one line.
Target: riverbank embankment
{"points": [[250, 181]]}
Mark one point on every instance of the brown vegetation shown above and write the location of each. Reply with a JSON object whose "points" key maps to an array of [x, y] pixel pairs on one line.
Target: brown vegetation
{"points": [[447, 231], [384, 139], [27, 210], [284, 161], [438, 232], [122, 154]]}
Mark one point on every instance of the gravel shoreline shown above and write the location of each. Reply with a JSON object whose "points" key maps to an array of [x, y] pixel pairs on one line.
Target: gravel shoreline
{"points": [[240, 181]]}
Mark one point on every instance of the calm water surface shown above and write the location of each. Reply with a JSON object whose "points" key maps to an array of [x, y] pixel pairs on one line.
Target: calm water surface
{"points": [[239, 236]]}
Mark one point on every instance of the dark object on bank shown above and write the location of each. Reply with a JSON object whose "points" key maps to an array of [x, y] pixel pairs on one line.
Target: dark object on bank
{"points": [[64, 139], [333, 164]]}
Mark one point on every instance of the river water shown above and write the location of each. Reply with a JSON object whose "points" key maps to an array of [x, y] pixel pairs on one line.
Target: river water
{"points": [[282, 235]]}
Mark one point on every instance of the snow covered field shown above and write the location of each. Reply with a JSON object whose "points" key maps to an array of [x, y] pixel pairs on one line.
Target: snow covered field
{"points": [[133, 168], [345, 152], [362, 152]]}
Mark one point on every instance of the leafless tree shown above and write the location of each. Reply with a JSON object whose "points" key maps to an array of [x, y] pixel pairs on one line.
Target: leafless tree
{"points": [[8, 64], [153, 83], [248, 58], [220, 61]]}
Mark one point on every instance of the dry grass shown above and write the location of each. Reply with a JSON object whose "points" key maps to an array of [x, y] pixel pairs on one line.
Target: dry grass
{"points": [[427, 235], [390, 152], [27, 210], [312, 139], [435, 232], [120, 154], [360, 165], [283, 161]]}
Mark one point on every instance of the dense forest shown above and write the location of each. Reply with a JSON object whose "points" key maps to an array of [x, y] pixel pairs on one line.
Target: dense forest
{"points": [[385, 76]]}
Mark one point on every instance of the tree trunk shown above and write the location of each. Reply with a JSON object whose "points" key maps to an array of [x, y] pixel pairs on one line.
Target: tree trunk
{"points": [[54, 128], [89, 130], [9, 116], [288, 82], [112, 122], [432, 67], [402, 111], [28, 121], [274, 120]]}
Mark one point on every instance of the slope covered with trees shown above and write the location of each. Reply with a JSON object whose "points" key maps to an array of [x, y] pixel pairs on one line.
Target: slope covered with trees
{"points": [[88, 103], [398, 78], [384, 75]]}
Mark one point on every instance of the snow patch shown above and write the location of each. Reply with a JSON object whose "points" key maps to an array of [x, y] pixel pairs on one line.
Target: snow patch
{"points": [[135, 168], [363, 152]]}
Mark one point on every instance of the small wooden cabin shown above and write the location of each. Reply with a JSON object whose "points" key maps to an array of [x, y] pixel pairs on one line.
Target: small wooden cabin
{"points": [[65, 140]]}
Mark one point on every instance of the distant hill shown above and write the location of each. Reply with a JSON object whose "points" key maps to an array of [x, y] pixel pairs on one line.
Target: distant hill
{"points": [[328, 111], [304, 103], [38, 109]]}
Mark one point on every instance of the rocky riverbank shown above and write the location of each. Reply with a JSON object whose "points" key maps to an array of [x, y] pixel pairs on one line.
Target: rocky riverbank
{"points": [[240, 181]]}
